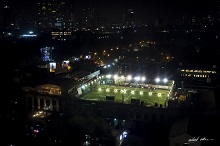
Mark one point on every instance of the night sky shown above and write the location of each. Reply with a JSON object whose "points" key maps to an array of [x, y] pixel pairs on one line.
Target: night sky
{"points": [[113, 9]]}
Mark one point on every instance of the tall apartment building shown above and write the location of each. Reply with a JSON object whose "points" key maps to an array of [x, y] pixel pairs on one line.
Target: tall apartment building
{"points": [[88, 17], [53, 14], [215, 13]]}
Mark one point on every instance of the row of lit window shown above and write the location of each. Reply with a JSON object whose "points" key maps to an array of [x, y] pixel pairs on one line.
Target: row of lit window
{"points": [[51, 92], [197, 76], [198, 71], [61, 33]]}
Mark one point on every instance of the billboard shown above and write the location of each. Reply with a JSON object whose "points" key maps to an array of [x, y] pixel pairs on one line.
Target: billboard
{"points": [[52, 66], [46, 53]]}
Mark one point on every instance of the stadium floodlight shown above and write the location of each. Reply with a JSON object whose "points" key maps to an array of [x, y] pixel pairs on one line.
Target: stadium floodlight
{"points": [[115, 76], [83, 87], [157, 80], [143, 79], [165, 80], [109, 76], [129, 77], [137, 78]]}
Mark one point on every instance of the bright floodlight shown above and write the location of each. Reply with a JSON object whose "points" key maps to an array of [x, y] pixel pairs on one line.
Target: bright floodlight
{"points": [[129, 77], [137, 78], [165, 80], [83, 87], [143, 79], [108, 76], [157, 80], [115, 76]]}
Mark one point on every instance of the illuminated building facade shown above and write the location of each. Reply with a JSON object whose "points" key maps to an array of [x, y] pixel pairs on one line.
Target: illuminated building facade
{"points": [[61, 35], [207, 76], [46, 53], [54, 96]]}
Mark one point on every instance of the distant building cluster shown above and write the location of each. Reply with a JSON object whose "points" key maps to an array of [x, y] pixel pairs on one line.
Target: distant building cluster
{"points": [[61, 14]]}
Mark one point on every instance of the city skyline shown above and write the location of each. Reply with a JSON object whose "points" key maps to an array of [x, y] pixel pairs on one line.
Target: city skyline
{"points": [[88, 72], [114, 10]]}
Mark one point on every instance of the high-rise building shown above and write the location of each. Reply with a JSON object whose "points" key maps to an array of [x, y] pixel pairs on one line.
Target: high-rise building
{"points": [[52, 14], [88, 17], [215, 13]]}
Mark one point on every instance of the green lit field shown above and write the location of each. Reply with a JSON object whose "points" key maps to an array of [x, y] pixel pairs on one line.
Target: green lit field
{"points": [[125, 94]]}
